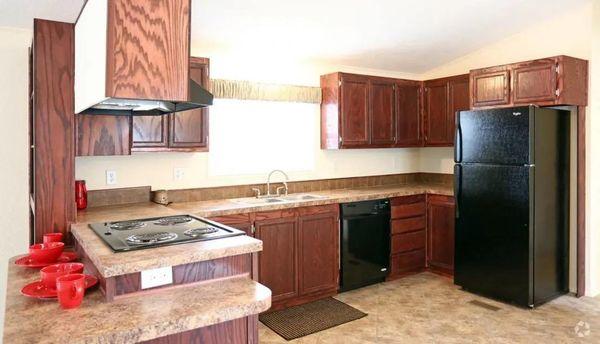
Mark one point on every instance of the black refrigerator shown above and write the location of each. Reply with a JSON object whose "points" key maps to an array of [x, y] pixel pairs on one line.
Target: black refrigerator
{"points": [[512, 203]]}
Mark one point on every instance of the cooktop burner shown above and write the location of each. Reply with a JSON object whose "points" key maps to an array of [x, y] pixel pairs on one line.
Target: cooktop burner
{"points": [[159, 231], [196, 232], [173, 220], [150, 238], [127, 225]]}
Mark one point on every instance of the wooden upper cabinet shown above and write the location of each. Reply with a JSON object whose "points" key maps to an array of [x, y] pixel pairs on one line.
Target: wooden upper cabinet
{"points": [[150, 133], [458, 100], [408, 115], [354, 111], [440, 233], [103, 135], [559, 80], [382, 112], [189, 129], [360, 111], [131, 51], [443, 98], [435, 112], [534, 82], [490, 86]]}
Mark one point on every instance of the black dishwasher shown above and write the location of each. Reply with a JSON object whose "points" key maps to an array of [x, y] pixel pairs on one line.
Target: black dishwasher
{"points": [[365, 243]]}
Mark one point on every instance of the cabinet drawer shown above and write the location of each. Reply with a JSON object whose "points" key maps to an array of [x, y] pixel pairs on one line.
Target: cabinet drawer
{"points": [[408, 225], [409, 261], [408, 241], [408, 210]]}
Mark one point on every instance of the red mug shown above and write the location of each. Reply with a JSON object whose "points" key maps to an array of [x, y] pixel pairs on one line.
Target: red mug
{"points": [[53, 237], [70, 290], [80, 194], [51, 272]]}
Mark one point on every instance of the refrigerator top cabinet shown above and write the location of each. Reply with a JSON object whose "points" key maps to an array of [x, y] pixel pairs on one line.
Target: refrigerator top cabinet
{"points": [[512, 203]]}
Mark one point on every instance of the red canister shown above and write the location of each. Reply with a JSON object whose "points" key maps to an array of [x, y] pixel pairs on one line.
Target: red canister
{"points": [[80, 194]]}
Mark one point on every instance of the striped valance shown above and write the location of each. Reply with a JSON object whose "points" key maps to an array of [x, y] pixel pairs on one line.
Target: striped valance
{"points": [[246, 90]]}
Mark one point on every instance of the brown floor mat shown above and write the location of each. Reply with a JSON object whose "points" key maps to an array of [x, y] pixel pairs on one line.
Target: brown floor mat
{"points": [[302, 320]]}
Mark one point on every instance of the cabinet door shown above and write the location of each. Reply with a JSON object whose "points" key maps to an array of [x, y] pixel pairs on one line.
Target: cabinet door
{"points": [[490, 87], [102, 135], [408, 115], [277, 262], [318, 252], [382, 112], [149, 133], [440, 232], [189, 129], [534, 82], [354, 111], [436, 114], [458, 100]]}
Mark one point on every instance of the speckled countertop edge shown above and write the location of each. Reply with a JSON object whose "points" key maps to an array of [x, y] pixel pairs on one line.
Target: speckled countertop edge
{"points": [[127, 320]]}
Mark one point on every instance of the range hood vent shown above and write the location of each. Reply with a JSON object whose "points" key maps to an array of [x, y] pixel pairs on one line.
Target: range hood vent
{"points": [[199, 98]]}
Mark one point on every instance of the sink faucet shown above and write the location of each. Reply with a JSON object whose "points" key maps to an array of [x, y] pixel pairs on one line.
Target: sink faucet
{"points": [[285, 186]]}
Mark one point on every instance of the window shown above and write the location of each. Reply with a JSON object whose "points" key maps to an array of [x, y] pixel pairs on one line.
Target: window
{"points": [[255, 137]]}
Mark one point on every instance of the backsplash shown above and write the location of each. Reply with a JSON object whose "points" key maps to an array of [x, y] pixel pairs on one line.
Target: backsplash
{"points": [[97, 198]]}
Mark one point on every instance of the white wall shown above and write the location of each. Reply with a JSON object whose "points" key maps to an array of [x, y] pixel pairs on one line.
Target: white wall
{"points": [[13, 150], [593, 164], [156, 169]]}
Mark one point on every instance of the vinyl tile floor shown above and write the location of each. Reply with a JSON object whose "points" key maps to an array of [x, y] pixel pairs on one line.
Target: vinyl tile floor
{"points": [[427, 308]]}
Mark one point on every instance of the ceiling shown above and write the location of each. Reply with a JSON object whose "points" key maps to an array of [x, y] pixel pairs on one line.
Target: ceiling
{"points": [[20, 13], [399, 35]]}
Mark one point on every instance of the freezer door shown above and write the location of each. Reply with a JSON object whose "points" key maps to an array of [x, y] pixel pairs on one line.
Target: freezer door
{"points": [[495, 136], [493, 255]]}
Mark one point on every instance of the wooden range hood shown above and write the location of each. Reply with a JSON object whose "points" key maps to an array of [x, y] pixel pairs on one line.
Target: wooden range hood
{"points": [[133, 58]]}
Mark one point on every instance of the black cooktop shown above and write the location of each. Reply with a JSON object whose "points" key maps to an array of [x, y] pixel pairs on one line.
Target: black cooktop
{"points": [[160, 231]]}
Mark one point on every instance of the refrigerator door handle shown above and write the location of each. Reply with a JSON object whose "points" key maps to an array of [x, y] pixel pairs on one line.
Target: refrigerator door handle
{"points": [[458, 140], [457, 186]]}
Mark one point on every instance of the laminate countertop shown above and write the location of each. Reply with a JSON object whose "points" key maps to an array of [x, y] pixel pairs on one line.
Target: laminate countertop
{"points": [[111, 264], [127, 320], [237, 206]]}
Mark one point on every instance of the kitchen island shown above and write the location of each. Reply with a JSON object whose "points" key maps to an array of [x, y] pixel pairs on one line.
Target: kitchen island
{"points": [[212, 297]]}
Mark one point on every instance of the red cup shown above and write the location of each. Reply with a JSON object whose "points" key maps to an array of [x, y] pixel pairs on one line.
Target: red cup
{"points": [[70, 290], [51, 272], [46, 253], [53, 237]]}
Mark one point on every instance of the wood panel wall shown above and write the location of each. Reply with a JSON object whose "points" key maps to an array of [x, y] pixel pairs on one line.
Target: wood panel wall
{"points": [[53, 124]]}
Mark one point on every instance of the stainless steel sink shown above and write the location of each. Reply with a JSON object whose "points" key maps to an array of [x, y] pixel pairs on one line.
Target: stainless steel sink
{"points": [[258, 201], [303, 197], [279, 199]]}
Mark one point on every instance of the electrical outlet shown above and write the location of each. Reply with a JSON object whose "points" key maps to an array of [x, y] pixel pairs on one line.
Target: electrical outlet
{"points": [[178, 173], [111, 177], [157, 277]]}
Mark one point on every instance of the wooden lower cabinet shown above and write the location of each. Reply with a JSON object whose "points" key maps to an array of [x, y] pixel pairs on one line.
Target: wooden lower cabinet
{"points": [[422, 235], [300, 257], [278, 261], [440, 233], [407, 254], [237, 331], [318, 249]]}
